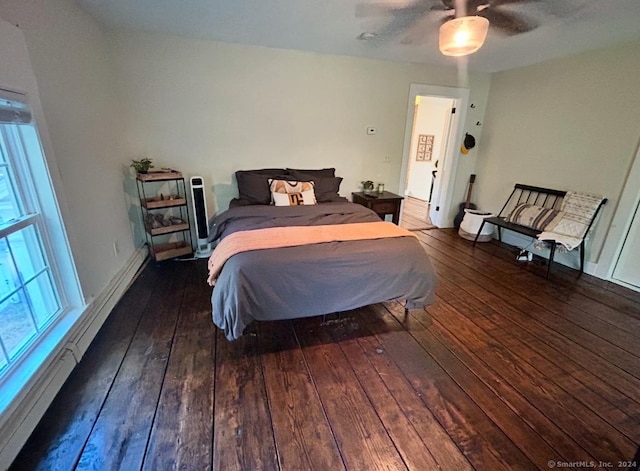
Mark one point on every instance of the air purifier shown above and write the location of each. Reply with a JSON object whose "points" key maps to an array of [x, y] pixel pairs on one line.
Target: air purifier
{"points": [[203, 248]]}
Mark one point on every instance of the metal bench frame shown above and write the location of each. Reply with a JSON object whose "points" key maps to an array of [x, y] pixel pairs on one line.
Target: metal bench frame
{"points": [[539, 196]]}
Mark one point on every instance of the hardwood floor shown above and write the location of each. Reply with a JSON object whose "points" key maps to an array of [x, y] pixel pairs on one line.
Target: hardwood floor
{"points": [[505, 371], [415, 214]]}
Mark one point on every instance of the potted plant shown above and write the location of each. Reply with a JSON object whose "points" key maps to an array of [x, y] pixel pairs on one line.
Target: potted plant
{"points": [[367, 186], [142, 165]]}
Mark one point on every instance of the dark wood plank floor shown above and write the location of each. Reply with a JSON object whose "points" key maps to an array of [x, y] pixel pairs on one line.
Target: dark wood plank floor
{"points": [[505, 371]]}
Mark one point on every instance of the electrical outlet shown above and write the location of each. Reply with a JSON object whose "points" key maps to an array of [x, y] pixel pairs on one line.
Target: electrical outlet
{"points": [[371, 131]]}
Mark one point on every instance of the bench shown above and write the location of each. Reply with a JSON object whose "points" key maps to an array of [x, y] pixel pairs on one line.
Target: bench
{"points": [[542, 197]]}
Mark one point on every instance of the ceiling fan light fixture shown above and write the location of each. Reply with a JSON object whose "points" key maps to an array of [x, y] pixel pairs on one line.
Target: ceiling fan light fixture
{"points": [[463, 36]]}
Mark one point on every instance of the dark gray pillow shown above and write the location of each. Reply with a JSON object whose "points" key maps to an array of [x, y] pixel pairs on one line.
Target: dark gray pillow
{"points": [[253, 185], [320, 172], [235, 202], [325, 188]]}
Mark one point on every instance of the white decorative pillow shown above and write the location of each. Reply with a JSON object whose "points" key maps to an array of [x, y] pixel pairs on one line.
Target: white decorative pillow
{"points": [[290, 193]]}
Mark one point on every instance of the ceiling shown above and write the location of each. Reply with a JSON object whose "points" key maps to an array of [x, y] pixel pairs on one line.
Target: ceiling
{"points": [[332, 27]]}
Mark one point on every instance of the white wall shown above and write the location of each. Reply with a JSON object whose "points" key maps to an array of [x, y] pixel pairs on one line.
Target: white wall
{"points": [[60, 58], [212, 108], [569, 124], [70, 55]]}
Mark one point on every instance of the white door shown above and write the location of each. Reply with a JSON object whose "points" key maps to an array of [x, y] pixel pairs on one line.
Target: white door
{"points": [[627, 268]]}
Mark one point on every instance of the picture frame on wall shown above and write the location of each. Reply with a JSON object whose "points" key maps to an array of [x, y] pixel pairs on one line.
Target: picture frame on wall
{"points": [[424, 151]]}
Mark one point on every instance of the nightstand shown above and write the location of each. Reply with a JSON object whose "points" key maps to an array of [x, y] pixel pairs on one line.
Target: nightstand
{"points": [[381, 203]]}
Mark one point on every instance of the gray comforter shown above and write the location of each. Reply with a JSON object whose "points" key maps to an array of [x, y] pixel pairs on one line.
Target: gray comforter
{"points": [[315, 279]]}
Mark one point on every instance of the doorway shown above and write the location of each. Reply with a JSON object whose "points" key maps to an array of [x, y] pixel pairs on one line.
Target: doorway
{"points": [[619, 261], [429, 135], [430, 131], [625, 266], [415, 215], [435, 117]]}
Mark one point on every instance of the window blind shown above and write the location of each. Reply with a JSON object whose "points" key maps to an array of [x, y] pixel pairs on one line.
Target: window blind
{"points": [[14, 108]]}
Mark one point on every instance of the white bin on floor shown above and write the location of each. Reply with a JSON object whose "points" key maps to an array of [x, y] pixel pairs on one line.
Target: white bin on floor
{"points": [[471, 223]]}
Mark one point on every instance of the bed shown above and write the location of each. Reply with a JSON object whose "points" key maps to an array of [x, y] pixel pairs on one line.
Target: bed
{"points": [[309, 279]]}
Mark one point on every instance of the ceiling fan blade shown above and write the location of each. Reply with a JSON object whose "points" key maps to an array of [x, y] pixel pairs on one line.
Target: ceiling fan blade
{"points": [[553, 9], [401, 17], [417, 7], [398, 24], [372, 9], [420, 31], [508, 23]]}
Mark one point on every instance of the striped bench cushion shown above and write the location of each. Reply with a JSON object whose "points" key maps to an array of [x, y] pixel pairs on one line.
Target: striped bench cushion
{"points": [[535, 217]]}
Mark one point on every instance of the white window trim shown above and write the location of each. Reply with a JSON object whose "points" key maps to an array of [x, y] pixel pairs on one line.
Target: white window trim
{"points": [[31, 368]]}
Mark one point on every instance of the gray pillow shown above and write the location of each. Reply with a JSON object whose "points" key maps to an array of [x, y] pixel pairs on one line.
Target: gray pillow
{"points": [[320, 172], [253, 185]]}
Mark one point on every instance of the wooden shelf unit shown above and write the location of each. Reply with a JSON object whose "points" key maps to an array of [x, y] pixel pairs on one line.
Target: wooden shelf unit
{"points": [[155, 203], [161, 252], [174, 204], [162, 175], [167, 229]]}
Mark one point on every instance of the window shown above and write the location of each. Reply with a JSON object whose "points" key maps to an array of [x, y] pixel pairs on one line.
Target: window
{"points": [[31, 292]]}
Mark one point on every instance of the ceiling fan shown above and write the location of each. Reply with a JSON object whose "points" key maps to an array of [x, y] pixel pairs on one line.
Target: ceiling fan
{"points": [[406, 16]]}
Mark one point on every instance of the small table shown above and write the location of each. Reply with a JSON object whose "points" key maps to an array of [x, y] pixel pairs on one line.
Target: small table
{"points": [[381, 203]]}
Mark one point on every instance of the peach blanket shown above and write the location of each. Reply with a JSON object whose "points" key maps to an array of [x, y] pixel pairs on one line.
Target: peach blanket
{"points": [[292, 236]]}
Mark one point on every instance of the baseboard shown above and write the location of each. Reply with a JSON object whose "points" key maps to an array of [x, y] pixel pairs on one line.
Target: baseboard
{"points": [[626, 285], [85, 330], [21, 418], [32, 406]]}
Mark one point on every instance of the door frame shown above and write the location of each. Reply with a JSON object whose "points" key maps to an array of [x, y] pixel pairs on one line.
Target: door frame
{"points": [[443, 193], [621, 223]]}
